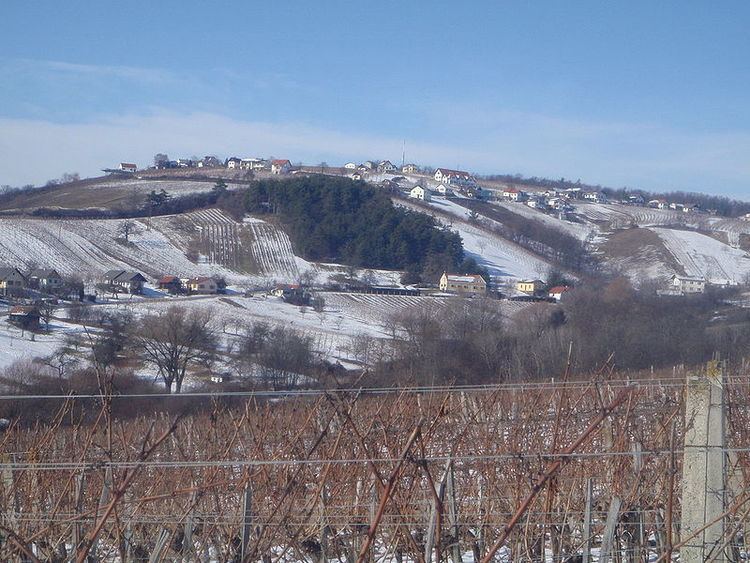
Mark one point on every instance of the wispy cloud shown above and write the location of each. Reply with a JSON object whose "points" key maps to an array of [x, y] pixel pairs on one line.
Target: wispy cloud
{"points": [[63, 69], [126, 72], [635, 155]]}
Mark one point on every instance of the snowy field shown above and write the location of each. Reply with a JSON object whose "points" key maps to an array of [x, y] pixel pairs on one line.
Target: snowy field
{"points": [[145, 185], [621, 216], [332, 330], [581, 231], [703, 256], [17, 345], [88, 248], [502, 258]]}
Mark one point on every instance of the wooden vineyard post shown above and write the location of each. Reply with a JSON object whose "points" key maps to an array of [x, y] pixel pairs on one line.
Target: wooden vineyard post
{"points": [[433, 530]]}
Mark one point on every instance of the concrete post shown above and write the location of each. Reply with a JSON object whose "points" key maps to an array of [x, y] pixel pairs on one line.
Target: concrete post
{"points": [[703, 467]]}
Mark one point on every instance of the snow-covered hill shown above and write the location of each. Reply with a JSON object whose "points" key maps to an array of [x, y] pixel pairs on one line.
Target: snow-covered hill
{"points": [[703, 256], [502, 258], [202, 243]]}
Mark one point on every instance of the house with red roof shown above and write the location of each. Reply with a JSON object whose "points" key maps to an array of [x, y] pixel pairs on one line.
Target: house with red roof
{"points": [[172, 284], [557, 292], [281, 167]]}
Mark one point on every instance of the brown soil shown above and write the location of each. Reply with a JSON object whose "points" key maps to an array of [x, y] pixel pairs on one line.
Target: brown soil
{"points": [[629, 243]]}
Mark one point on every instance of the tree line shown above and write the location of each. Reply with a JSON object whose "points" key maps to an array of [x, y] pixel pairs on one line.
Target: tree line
{"points": [[609, 323], [338, 220], [553, 244]]}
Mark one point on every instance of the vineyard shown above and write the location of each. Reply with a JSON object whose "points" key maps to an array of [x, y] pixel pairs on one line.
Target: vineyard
{"points": [[573, 471], [272, 250], [219, 237]]}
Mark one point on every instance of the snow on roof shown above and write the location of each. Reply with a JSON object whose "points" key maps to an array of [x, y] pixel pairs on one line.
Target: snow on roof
{"points": [[449, 172], [464, 279], [43, 273]]}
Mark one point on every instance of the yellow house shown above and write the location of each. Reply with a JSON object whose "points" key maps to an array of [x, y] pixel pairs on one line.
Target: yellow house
{"points": [[529, 286], [462, 284]]}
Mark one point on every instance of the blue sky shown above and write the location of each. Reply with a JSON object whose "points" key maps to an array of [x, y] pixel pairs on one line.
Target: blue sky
{"points": [[640, 94]]}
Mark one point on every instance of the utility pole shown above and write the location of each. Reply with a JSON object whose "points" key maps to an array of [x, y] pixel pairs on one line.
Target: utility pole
{"points": [[704, 467]]}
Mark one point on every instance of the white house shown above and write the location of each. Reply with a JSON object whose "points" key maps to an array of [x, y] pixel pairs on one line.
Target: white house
{"points": [[596, 197], [252, 164], [636, 200], [45, 278], [128, 167], [233, 162], [444, 190], [418, 192], [202, 284], [556, 203], [687, 284], [350, 166], [454, 177], [410, 169], [281, 166], [536, 203], [386, 166], [513, 194]]}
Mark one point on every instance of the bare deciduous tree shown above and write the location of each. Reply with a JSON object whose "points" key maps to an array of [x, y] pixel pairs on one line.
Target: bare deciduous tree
{"points": [[127, 228], [174, 341], [47, 310]]}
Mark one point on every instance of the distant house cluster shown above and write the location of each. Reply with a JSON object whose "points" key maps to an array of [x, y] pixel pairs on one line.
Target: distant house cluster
{"points": [[525, 290], [560, 201], [201, 285], [662, 203], [12, 280], [692, 285], [162, 162], [539, 290]]}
